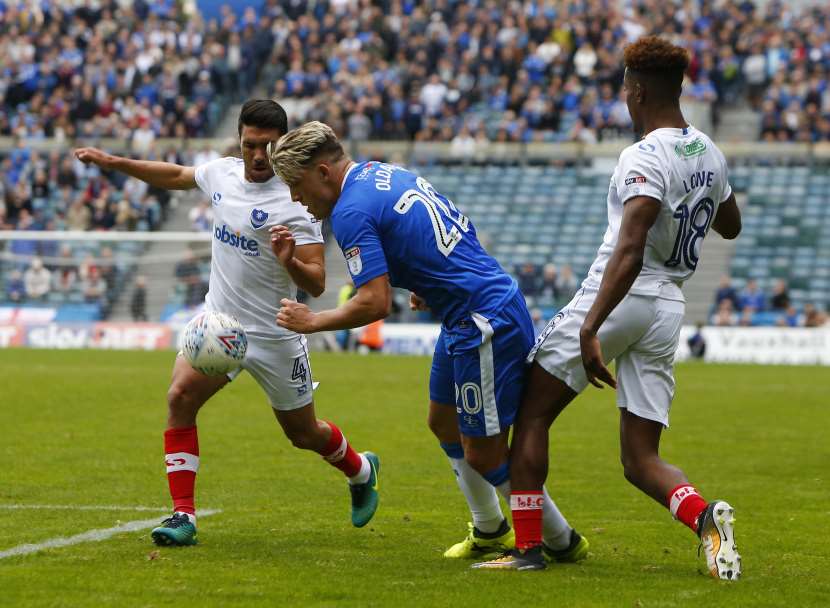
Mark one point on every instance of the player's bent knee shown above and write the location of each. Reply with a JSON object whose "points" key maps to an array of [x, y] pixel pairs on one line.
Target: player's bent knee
{"points": [[523, 462], [305, 437], [482, 461], [634, 468], [180, 398], [630, 473]]}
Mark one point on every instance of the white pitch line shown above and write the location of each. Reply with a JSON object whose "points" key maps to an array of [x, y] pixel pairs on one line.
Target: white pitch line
{"points": [[90, 536], [84, 508]]}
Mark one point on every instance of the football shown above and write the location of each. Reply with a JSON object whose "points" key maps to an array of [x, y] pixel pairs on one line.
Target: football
{"points": [[214, 343]]}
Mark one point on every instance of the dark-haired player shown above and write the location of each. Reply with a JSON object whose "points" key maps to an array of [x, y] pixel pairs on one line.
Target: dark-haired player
{"points": [[667, 191], [264, 246]]}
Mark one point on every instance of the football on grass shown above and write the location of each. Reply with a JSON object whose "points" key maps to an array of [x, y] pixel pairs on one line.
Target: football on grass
{"points": [[214, 343]]}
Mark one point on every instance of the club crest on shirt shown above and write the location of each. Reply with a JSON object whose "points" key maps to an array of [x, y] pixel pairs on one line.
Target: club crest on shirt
{"points": [[258, 218], [353, 260]]}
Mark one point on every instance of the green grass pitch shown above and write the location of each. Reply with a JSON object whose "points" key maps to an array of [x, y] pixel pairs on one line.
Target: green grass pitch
{"points": [[84, 428]]}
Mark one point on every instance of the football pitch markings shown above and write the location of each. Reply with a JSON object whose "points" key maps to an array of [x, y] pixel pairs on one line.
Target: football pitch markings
{"points": [[84, 508], [90, 535]]}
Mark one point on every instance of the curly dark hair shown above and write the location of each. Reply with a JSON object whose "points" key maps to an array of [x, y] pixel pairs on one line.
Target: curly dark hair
{"points": [[657, 60], [654, 54]]}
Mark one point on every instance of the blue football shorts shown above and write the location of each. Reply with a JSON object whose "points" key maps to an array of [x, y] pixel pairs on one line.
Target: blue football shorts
{"points": [[479, 365]]}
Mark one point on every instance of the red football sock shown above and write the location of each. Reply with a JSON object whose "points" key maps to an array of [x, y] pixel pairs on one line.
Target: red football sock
{"points": [[526, 506], [338, 453], [181, 448], [686, 505]]}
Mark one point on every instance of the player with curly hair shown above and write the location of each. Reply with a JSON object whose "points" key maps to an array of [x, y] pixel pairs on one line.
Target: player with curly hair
{"points": [[667, 190]]}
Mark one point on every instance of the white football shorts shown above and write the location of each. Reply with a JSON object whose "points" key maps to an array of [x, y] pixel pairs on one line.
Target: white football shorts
{"points": [[641, 334], [281, 367]]}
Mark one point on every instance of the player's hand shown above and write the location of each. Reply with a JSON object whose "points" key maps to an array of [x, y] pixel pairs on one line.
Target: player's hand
{"points": [[592, 361], [416, 302], [93, 155], [296, 317], [282, 244]]}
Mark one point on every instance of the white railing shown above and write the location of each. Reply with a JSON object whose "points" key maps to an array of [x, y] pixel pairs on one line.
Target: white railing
{"points": [[404, 151], [112, 236]]}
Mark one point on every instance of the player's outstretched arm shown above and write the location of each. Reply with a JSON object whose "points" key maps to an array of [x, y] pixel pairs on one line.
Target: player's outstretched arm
{"points": [[728, 220], [161, 175], [639, 215], [373, 301]]}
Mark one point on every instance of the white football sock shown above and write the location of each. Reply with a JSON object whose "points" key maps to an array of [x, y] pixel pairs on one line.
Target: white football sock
{"points": [[556, 533], [190, 516], [481, 496], [364, 473]]}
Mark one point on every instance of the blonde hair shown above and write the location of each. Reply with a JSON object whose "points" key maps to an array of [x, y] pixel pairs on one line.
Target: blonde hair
{"points": [[296, 150]]}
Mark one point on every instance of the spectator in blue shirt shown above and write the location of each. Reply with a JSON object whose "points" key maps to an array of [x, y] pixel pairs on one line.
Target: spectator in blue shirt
{"points": [[752, 297], [727, 292], [15, 288]]}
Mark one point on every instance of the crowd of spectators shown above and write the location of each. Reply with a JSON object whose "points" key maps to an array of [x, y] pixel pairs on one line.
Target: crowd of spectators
{"points": [[436, 70], [190, 276], [466, 71], [751, 306], [54, 191], [133, 70], [92, 280], [546, 285]]}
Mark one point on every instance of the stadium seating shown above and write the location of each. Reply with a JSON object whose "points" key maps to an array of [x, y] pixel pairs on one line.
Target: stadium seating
{"points": [[550, 214], [531, 214], [786, 231]]}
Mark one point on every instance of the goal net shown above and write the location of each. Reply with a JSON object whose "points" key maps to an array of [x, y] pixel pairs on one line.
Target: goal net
{"points": [[108, 289]]}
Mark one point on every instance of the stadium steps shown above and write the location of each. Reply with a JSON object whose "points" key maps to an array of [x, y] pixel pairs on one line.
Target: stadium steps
{"points": [[714, 263], [738, 124], [229, 125], [161, 279]]}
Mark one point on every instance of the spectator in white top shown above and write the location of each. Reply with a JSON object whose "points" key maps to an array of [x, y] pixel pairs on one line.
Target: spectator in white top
{"points": [[359, 125], [584, 61], [463, 145], [37, 280], [432, 95], [548, 51], [205, 155], [755, 74], [143, 137]]}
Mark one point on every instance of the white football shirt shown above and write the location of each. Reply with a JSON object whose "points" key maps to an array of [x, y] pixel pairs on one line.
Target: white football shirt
{"points": [[687, 173], [246, 279]]}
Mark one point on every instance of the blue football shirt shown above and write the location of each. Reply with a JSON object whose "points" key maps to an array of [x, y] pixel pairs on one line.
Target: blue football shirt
{"points": [[389, 220]]}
